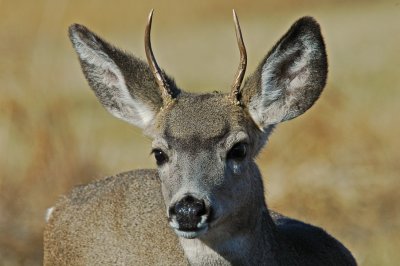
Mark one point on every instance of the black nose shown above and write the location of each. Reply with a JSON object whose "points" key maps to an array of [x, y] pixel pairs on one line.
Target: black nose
{"points": [[188, 212]]}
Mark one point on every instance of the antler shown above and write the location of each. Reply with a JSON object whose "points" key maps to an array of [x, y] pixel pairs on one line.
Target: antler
{"points": [[235, 93], [167, 92]]}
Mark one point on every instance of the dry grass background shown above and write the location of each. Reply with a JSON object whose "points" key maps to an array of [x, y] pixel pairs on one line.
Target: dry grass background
{"points": [[337, 166]]}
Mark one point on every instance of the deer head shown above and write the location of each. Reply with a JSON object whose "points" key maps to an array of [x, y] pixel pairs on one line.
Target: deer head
{"points": [[205, 144]]}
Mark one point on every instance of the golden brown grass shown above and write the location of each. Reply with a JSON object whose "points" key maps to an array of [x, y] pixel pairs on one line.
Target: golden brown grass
{"points": [[337, 166]]}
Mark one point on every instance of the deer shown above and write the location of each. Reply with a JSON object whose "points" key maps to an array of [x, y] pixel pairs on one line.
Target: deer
{"points": [[205, 203]]}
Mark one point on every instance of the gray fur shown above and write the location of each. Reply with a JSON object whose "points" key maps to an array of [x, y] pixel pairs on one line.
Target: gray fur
{"points": [[124, 220]]}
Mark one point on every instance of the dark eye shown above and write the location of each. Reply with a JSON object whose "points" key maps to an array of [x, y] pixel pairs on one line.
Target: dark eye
{"points": [[237, 152], [160, 156]]}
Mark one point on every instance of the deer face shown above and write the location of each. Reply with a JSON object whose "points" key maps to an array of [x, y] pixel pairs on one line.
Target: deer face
{"points": [[205, 145], [204, 148]]}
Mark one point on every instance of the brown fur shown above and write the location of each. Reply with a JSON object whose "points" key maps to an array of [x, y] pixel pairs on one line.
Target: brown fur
{"points": [[98, 224]]}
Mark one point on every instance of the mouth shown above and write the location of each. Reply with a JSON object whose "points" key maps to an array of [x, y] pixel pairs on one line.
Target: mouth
{"points": [[190, 234], [201, 228]]}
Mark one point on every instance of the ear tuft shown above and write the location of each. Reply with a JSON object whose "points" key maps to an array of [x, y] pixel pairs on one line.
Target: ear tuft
{"points": [[85, 42], [290, 78], [92, 51]]}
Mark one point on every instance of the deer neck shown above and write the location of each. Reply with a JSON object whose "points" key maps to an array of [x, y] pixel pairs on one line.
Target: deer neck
{"points": [[253, 246]]}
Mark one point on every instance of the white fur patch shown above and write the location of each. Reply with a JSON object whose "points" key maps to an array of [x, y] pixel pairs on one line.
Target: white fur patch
{"points": [[48, 213], [108, 73]]}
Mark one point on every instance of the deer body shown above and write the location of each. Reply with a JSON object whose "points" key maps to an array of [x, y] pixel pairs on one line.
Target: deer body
{"points": [[211, 191], [117, 220]]}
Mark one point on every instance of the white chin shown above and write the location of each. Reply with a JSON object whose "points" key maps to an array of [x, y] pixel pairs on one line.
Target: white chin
{"points": [[191, 234]]}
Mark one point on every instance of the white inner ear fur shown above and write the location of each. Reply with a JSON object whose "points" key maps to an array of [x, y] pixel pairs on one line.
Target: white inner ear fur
{"points": [[107, 73], [269, 107]]}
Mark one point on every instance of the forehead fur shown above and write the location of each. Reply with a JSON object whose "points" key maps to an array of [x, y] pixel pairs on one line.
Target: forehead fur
{"points": [[201, 117]]}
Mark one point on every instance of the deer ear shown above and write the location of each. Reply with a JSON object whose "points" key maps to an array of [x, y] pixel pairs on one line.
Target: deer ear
{"points": [[123, 83], [290, 78]]}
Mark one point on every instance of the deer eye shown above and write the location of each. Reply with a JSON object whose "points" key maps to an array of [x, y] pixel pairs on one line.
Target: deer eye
{"points": [[237, 152], [160, 156]]}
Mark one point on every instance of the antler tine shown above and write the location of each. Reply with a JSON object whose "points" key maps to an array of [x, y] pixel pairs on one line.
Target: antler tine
{"points": [[166, 92], [243, 60]]}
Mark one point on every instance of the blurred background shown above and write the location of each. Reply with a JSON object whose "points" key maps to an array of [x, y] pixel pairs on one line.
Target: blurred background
{"points": [[337, 166]]}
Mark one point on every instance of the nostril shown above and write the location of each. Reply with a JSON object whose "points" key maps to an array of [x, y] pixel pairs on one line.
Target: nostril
{"points": [[201, 208], [171, 210]]}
